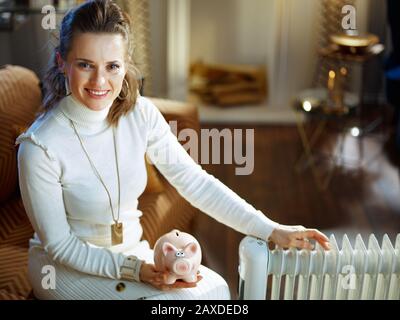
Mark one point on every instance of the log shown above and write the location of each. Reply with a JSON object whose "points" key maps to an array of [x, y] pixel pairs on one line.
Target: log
{"points": [[225, 84]]}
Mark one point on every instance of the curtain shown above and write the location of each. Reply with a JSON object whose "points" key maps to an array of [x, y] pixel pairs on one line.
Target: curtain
{"points": [[292, 41], [138, 10]]}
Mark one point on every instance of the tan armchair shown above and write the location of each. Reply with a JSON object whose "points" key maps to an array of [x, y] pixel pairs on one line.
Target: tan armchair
{"points": [[20, 98]]}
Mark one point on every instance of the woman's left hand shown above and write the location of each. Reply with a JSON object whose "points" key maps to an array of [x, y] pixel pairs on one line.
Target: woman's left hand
{"points": [[298, 236], [149, 274]]}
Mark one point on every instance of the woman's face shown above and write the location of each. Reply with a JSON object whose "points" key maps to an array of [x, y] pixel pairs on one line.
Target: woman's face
{"points": [[95, 68]]}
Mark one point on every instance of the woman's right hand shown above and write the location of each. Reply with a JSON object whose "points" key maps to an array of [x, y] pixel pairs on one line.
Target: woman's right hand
{"points": [[298, 236], [149, 274]]}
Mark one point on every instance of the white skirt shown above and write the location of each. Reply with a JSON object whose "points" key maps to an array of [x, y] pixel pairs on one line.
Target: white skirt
{"points": [[74, 285]]}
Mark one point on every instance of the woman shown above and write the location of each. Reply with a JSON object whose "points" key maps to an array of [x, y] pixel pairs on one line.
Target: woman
{"points": [[81, 169]]}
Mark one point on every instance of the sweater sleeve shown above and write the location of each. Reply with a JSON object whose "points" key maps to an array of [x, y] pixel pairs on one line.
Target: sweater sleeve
{"points": [[42, 196], [201, 189]]}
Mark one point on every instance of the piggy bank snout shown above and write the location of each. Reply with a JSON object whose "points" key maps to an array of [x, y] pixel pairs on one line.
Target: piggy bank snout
{"points": [[182, 266]]}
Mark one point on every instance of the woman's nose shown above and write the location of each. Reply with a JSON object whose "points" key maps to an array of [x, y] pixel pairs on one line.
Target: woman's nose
{"points": [[98, 78]]}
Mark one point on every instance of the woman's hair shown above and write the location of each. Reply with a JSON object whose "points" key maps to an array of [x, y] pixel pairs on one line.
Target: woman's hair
{"points": [[96, 16]]}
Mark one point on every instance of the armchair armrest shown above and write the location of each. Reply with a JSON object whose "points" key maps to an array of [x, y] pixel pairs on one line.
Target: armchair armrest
{"points": [[185, 113]]}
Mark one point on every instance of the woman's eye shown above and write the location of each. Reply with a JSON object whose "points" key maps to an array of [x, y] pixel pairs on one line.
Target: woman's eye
{"points": [[114, 67], [84, 65]]}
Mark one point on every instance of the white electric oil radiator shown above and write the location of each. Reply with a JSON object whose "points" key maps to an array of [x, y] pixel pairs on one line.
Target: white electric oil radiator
{"points": [[364, 272]]}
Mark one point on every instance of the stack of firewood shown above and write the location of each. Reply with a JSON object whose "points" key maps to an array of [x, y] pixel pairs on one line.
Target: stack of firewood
{"points": [[227, 85]]}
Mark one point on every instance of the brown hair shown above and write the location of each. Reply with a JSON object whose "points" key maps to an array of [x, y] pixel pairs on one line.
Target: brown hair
{"points": [[96, 16]]}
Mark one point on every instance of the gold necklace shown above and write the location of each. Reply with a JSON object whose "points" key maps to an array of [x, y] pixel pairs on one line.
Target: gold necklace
{"points": [[117, 227]]}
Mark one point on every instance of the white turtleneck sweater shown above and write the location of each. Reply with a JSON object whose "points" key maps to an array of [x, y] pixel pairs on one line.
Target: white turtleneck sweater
{"points": [[69, 207]]}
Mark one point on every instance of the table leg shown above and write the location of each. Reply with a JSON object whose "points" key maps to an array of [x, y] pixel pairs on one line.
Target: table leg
{"points": [[307, 146]]}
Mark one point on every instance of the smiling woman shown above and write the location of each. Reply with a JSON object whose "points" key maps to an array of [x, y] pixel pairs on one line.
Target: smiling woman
{"points": [[82, 169]]}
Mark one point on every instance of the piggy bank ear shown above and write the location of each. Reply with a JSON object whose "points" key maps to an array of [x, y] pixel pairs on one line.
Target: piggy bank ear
{"points": [[190, 248], [168, 248]]}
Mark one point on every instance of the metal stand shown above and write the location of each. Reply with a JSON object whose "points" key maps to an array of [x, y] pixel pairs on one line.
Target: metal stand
{"points": [[307, 158]]}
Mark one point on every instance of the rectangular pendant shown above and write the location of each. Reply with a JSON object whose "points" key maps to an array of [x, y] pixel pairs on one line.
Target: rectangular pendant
{"points": [[116, 233]]}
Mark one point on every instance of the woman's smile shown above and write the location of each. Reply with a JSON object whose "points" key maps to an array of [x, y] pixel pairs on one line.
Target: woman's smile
{"points": [[97, 94]]}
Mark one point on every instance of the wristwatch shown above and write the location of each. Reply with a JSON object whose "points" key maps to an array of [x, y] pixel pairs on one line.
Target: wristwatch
{"points": [[130, 269]]}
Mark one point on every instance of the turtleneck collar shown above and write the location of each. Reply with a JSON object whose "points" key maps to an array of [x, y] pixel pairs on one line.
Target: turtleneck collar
{"points": [[91, 121]]}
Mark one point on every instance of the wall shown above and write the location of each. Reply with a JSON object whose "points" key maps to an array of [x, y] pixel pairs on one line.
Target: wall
{"points": [[26, 45], [230, 31], [158, 45], [277, 33]]}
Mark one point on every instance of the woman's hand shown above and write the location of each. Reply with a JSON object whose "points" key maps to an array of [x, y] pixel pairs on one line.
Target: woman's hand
{"points": [[150, 275], [298, 236]]}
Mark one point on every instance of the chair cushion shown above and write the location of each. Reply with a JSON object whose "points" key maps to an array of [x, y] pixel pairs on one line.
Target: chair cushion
{"points": [[15, 232], [20, 99], [185, 114], [163, 212], [154, 179]]}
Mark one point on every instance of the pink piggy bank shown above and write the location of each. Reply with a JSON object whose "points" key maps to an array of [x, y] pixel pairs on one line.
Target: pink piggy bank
{"points": [[180, 254]]}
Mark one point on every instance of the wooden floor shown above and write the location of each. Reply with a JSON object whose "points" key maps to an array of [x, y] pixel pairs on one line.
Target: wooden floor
{"points": [[362, 197]]}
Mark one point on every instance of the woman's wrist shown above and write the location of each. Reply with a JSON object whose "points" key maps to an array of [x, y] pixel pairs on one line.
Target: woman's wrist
{"points": [[273, 233], [130, 269]]}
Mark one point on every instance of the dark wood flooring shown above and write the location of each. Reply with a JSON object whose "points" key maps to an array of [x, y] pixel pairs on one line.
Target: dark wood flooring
{"points": [[361, 197]]}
